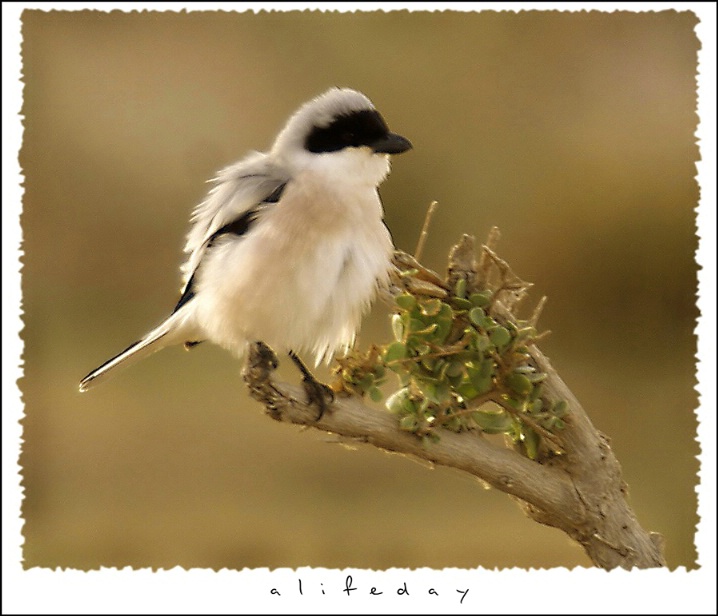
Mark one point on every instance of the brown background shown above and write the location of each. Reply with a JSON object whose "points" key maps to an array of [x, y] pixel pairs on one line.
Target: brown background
{"points": [[573, 132]]}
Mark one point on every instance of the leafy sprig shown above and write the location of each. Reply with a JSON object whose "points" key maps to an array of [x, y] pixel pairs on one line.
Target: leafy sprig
{"points": [[462, 364]]}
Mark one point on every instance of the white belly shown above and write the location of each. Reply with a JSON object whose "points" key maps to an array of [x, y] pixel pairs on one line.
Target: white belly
{"points": [[301, 283]]}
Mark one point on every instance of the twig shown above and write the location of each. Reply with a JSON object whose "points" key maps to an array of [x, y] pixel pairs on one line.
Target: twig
{"points": [[425, 230], [533, 321]]}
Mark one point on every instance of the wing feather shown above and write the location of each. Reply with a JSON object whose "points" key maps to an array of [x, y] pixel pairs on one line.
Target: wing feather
{"points": [[236, 191]]}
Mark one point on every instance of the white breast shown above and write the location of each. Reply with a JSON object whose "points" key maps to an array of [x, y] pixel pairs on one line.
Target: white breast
{"points": [[303, 277]]}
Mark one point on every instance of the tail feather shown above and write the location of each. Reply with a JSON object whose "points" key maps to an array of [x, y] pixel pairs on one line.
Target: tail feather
{"points": [[157, 339]]}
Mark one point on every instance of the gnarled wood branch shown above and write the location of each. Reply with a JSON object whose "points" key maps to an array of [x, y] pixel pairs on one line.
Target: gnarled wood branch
{"points": [[581, 492]]}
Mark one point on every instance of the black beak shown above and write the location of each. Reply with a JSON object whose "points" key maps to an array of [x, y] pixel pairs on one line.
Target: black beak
{"points": [[391, 144]]}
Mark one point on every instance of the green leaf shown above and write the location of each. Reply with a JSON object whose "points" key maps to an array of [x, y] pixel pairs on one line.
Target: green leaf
{"points": [[480, 299], [480, 375], [408, 423], [443, 393], [462, 304], [435, 391], [536, 392], [454, 424], [476, 315], [487, 323], [375, 394], [455, 368], [395, 402], [531, 442], [482, 343], [409, 405], [427, 332], [446, 312], [455, 381], [395, 352], [443, 329], [560, 408], [405, 301], [467, 391], [518, 383], [500, 336], [415, 325], [487, 367], [418, 345], [429, 363], [492, 422], [518, 404], [537, 377], [430, 307], [481, 384], [439, 369], [536, 406], [366, 382]]}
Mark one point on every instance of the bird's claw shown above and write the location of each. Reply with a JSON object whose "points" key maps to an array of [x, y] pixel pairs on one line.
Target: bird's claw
{"points": [[318, 394]]}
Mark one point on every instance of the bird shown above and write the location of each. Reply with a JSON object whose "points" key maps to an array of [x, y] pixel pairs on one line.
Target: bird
{"points": [[289, 247]]}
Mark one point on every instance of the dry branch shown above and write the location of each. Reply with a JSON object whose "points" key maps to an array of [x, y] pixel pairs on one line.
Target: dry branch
{"points": [[581, 492]]}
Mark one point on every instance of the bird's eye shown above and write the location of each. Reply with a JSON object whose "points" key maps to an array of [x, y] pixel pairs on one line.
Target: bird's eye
{"points": [[348, 137]]}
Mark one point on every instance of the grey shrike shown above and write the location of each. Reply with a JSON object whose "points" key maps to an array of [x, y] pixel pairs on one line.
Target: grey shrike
{"points": [[289, 247]]}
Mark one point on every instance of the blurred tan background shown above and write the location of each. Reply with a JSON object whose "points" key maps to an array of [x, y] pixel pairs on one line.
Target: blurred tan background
{"points": [[573, 132]]}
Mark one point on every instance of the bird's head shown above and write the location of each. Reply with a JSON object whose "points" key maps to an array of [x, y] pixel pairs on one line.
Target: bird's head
{"points": [[339, 132]]}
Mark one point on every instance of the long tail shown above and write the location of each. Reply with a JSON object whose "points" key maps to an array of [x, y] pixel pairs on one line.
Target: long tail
{"points": [[164, 335]]}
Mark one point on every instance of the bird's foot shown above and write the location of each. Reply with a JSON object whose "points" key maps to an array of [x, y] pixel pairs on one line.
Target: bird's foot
{"points": [[319, 394]]}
